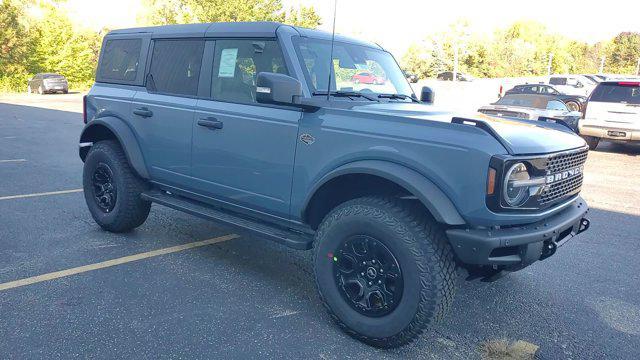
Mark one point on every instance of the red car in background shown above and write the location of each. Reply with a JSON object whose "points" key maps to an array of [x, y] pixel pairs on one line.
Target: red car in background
{"points": [[366, 77]]}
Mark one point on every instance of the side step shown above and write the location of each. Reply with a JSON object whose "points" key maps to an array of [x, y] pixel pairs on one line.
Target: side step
{"points": [[284, 236]]}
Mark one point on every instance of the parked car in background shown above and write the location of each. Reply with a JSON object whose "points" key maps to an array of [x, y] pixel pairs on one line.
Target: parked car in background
{"points": [[45, 83], [573, 102], [573, 84], [412, 78], [534, 107], [448, 76], [366, 77], [595, 77], [612, 112]]}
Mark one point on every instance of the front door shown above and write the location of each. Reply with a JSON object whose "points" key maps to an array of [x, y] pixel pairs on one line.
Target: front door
{"points": [[243, 152], [163, 113]]}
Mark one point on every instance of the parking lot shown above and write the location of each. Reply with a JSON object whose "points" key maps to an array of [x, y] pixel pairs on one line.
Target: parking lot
{"points": [[243, 297]]}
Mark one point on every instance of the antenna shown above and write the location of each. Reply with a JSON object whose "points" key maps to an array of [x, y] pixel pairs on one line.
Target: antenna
{"points": [[333, 36]]}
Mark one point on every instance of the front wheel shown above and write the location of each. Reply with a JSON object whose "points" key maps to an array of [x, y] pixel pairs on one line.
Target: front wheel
{"points": [[383, 271], [112, 190], [591, 141]]}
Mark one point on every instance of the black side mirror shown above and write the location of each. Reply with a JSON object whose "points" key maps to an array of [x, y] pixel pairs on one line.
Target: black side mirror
{"points": [[427, 95], [279, 89]]}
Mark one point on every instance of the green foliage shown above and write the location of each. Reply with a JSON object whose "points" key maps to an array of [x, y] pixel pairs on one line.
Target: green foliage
{"points": [[14, 46], [161, 12], [522, 49]]}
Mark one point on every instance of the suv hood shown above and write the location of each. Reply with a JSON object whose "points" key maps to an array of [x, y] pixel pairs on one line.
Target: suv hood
{"points": [[520, 137]]}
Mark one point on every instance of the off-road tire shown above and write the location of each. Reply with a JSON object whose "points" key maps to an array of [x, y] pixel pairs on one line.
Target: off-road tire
{"points": [[423, 253], [130, 210], [591, 141]]}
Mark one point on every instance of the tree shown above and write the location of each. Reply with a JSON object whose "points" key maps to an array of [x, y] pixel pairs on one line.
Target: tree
{"points": [[161, 12], [623, 53], [14, 46]]}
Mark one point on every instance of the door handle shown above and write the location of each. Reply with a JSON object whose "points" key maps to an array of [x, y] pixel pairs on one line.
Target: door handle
{"points": [[143, 111], [211, 123]]}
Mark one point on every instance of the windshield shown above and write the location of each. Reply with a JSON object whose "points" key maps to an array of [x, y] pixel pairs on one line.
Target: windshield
{"points": [[356, 68]]}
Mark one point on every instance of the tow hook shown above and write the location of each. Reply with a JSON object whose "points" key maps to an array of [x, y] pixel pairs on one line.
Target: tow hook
{"points": [[584, 225], [548, 248]]}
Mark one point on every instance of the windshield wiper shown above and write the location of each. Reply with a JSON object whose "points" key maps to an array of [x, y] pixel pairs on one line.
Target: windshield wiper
{"points": [[398, 96], [348, 94]]}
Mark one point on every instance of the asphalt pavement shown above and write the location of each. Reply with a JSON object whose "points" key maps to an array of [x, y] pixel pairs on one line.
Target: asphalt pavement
{"points": [[249, 298]]}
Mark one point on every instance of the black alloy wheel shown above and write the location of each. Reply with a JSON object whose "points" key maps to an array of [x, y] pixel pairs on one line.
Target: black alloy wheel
{"points": [[368, 275], [104, 189]]}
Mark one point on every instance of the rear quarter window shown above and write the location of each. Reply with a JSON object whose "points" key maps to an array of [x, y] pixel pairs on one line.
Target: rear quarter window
{"points": [[615, 93], [120, 61]]}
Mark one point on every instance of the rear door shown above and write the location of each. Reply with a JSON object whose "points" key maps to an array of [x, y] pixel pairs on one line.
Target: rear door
{"points": [[615, 104], [243, 152], [162, 112]]}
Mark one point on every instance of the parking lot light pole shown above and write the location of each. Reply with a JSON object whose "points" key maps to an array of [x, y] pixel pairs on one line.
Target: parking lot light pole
{"points": [[455, 62], [638, 68], [601, 70], [549, 64]]}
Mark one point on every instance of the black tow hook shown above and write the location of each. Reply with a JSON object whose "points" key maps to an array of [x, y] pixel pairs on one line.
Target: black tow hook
{"points": [[548, 248], [584, 225]]}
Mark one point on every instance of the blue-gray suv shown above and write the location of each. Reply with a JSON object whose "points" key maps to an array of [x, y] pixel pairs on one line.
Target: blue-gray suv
{"points": [[273, 130]]}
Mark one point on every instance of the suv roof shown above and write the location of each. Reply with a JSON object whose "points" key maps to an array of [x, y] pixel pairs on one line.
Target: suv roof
{"points": [[233, 29]]}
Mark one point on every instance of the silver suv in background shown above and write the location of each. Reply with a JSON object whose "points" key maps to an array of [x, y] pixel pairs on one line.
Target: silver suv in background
{"points": [[44, 83], [612, 112], [572, 84]]}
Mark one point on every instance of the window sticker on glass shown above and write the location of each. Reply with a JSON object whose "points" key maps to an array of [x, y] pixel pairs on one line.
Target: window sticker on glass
{"points": [[228, 63]]}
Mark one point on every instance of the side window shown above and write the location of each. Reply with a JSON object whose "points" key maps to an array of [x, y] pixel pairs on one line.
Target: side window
{"points": [[236, 64], [175, 67], [120, 59]]}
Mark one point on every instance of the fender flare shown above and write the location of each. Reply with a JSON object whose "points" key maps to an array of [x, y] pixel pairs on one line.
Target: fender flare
{"points": [[436, 201], [122, 133]]}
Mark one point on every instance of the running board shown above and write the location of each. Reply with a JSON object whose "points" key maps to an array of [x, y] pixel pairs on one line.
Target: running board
{"points": [[283, 236]]}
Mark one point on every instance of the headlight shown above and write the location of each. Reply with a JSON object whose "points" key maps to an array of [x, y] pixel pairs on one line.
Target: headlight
{"points": [[516, 185]]}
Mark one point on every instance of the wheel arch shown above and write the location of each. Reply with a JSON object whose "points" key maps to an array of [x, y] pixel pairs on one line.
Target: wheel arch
{"points": [[107, 128], [366, 175]]}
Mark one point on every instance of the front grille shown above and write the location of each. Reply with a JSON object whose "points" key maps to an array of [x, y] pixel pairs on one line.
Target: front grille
{"points": [[565, 161], [558, 163]]}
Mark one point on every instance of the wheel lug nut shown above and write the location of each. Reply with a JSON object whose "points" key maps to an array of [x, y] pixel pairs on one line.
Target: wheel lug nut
{"points": [[379, 281], [373, 261], [362, 274], [370, 283]]}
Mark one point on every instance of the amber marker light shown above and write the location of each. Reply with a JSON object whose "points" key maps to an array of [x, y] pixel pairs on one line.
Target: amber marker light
{"points": [[491, 181]]}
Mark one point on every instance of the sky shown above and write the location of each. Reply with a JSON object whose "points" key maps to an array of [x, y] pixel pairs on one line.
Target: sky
{"points": [[397, 24]]}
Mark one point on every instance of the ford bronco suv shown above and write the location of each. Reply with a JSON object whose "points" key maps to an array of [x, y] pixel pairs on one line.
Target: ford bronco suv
{"points": [[258, 127]]}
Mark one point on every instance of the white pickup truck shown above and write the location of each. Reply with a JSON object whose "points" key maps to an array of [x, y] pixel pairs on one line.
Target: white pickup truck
{"points": [[612, 112]]}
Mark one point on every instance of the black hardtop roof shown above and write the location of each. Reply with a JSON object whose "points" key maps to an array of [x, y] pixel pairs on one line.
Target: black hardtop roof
{"points": [[232, 29]]}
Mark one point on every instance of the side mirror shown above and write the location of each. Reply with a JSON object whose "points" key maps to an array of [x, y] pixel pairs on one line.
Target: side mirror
{"points": [[279, 89], [427, 95]]}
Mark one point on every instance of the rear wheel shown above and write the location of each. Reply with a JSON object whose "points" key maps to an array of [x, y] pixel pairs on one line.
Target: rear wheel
{"points": [[112, 190], [591, 141], [573, 106], [383, 271]]}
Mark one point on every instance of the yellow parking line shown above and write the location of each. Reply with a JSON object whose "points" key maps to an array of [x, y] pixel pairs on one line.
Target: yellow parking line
{"points": [[114, 262], [40, 194]]}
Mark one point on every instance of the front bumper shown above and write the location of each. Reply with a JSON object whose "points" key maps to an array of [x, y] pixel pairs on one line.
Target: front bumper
{"points": [[610, 132], [519, 246]]}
